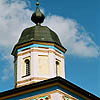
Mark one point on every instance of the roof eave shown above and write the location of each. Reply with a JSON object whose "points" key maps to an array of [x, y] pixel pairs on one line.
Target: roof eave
{"points": [[30, 42], [50, 82]]}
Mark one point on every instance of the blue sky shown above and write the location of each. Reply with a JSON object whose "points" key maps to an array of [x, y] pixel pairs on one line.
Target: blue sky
{"points": [[76, 22]]}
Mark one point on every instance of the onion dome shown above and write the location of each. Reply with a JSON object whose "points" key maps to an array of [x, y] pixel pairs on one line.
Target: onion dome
{"points": [[37, 16]]}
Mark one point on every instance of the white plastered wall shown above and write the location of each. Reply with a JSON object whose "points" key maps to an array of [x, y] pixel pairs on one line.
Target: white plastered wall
{"points": [[56, 96], [20, 65], [52, 64], [33, 54], [62, 65]]}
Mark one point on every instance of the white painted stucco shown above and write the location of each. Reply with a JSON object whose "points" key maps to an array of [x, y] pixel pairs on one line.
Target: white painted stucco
{"points": [[33, 54]]}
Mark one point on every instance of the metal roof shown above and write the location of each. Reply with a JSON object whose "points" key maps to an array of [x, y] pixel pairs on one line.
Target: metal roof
{"points": [[39, 33]]}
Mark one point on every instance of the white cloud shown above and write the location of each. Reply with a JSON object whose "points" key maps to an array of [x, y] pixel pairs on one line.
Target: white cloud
{"points": [[15, 17], [73, 36]]}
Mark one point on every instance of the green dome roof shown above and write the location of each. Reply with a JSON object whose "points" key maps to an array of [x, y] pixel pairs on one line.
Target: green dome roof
{"points": [[39, 33]]}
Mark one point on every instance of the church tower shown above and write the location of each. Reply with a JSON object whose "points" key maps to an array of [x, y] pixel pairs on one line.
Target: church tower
{"points": [[39, 54], [39, 67]]}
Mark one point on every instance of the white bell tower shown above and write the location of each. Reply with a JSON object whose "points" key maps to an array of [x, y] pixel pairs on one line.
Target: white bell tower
{"points": [[39, 54]]}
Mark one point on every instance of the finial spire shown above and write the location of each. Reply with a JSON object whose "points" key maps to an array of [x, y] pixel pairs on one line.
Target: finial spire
{"points": [[37, 16], [37, 3]]}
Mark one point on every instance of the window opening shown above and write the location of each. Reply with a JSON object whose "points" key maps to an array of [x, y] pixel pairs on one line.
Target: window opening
{"points": [[46, 98], [57, 68], [27, 65]]}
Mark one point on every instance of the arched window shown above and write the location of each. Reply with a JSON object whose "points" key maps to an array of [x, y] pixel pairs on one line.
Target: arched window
{"points": [[58, 67], [27, 65]]}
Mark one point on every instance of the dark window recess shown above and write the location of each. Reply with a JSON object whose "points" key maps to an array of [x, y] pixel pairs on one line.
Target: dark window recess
{"points": [[27, 62], [41, 99], [57, 65], [46, 98]]}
